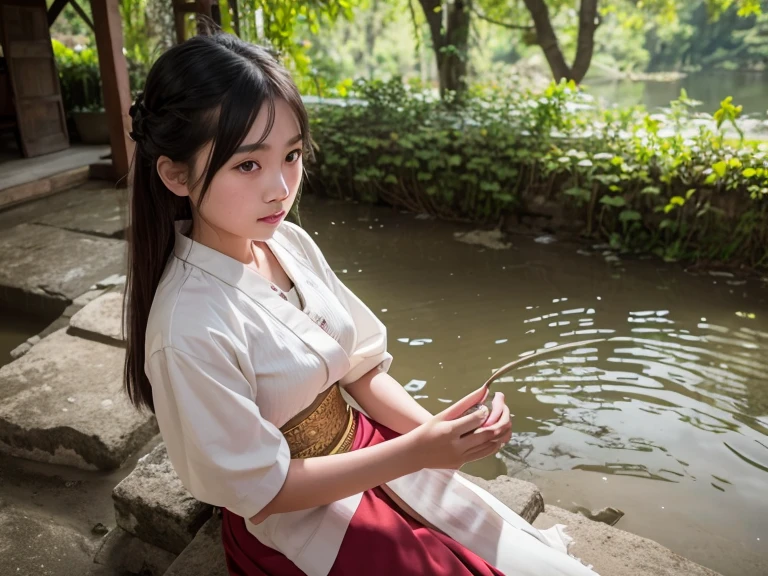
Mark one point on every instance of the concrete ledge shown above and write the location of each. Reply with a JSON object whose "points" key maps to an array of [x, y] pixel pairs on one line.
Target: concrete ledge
{"points": [[45, 268], [101, 318], [614, 552], [63, 402], [43, 187], [205, 555], [121, 553], [152, 503], [523, 498]]}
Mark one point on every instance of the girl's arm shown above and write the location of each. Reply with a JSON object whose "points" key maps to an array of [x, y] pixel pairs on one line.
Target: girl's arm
{"points": [[387, 402], [442, 442]]}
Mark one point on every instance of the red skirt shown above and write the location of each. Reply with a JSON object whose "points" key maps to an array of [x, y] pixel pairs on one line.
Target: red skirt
{"points": [[381, 539]]}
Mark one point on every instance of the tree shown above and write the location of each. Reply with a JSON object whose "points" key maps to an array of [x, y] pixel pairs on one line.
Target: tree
{"points": [[449, 29], [539, 19]]}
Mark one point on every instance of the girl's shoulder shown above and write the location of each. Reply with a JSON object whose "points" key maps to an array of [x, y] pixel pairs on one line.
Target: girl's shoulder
{"points": [[190, 309]]}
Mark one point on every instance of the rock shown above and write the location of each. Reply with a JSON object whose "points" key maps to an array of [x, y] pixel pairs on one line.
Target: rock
{"points": [[99, 429], [123, 553], [99, 529], [151, 503], [614, 552], [100, 212], [45, 268], [35, 545], [84, 299], [101, 318], [21, 349], [519, 496], [204, 556], [487, 238]]}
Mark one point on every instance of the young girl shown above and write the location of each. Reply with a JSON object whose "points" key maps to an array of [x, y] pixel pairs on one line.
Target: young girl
{"points": [[241, 339]]}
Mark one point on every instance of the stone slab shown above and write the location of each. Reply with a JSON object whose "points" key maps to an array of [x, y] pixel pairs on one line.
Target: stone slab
{"points": [[614, 552], [523, 498], [24, 170], [45, 267], [204, 556], [101, 318], [100, 212], [152, 503], [63, 402], [122, 552], [32, 545]]}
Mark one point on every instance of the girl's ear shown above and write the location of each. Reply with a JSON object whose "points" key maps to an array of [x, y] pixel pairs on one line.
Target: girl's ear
{"points": [[175, 175]]}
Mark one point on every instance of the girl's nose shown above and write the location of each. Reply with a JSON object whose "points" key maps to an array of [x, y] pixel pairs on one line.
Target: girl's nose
{"points": [[278, 189]]}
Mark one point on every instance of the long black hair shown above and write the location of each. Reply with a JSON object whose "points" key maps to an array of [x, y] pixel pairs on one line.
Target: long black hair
{"points": [[207, 89]]}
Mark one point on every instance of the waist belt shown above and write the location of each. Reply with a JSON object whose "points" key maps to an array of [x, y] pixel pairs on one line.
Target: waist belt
{"points": [[328, 426]]}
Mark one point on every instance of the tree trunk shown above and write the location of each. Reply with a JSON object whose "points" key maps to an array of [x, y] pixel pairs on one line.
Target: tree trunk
{"points": [[450, 43], [585, 45], [547, 39]]}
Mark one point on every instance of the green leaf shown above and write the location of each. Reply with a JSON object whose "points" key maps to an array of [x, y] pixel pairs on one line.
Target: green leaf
{"points": [[690, 193], [711, 179], [666, 224], [679, 200], [749, 172], [720, 168], [580, 193], [651, 190], [615, 201], [629, 216]]}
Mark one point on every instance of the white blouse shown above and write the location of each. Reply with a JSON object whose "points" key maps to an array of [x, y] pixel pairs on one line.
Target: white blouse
{"points": [[230, 361]]}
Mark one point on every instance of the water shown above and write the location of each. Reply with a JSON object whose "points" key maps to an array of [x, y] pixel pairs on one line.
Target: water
{"points": [[666, 420], [15, 328], [711, 87]]}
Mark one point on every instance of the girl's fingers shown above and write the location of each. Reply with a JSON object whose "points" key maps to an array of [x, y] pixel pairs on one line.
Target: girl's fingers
{"points": [[496, 410]]}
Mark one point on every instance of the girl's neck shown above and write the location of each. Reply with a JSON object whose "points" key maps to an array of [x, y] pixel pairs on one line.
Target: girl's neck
{"points": [[228, 244]]}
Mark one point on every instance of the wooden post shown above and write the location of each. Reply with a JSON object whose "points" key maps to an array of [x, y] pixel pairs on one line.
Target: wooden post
{"points": [[181, 8], [114, 82]]}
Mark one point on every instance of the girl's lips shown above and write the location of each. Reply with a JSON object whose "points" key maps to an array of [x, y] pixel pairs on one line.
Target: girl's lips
{"points": [[274, 218]]}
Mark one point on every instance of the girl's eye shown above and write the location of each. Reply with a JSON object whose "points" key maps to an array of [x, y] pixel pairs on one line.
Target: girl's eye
{"points": [[293, 156], [248, 166]]}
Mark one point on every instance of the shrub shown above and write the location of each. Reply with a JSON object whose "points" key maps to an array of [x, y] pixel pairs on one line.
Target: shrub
{"points": [[670, 184]]}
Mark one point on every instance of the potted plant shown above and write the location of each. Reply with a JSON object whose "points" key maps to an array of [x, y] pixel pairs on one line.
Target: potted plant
{"points": [[80, 81]]}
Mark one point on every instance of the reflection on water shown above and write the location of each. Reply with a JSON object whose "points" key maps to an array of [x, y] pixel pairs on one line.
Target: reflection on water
{"points": [[710, 88], [675, 397]]}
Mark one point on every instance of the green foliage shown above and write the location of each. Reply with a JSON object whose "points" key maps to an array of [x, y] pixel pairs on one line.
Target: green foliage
{"points": [[79, 78], [278, 22], [626, 176]]}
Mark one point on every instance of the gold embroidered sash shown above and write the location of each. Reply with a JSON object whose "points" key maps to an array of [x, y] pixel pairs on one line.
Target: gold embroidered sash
{"points": [[326, 427]]}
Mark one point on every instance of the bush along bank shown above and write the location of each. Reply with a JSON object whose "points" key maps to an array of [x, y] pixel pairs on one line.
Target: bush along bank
{"points": [[671, 184]]}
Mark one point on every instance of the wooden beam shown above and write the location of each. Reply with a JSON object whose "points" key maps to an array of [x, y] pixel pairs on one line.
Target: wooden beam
{"points": [[235, 16], [82, 14], [55, 10], [114, 82]]}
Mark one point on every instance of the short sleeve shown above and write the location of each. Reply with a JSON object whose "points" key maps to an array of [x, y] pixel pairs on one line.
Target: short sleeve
{"points": [[225, 453]]}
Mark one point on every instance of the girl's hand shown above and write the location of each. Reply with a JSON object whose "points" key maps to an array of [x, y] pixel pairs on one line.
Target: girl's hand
{"points": [[499, 419], [450, 440]]}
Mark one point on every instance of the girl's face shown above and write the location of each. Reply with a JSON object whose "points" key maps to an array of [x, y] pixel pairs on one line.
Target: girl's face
{"points": [[254, 190]]}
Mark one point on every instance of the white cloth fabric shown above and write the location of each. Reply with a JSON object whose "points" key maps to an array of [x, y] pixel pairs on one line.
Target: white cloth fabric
{"points": [[230, 361]]}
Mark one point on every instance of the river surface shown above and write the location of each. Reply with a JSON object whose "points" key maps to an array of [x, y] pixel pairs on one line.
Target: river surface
{"points": [[666, 419], [711, 87]]}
